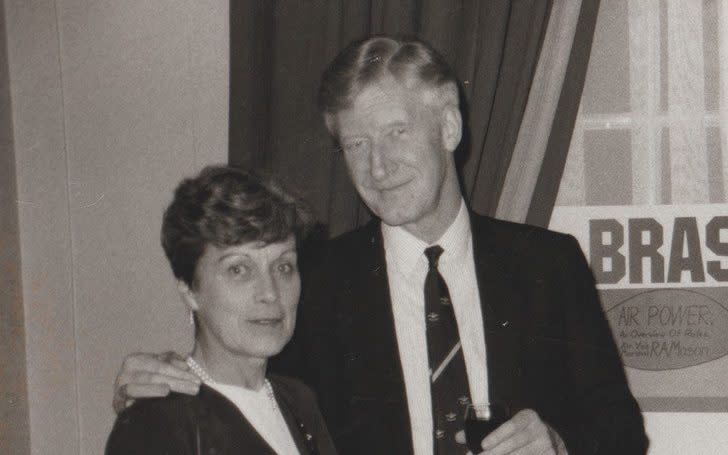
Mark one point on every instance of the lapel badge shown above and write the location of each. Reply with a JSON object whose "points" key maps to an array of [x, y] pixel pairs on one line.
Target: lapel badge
{"points": [[450, 416], [464, 400], [433, 317], [439, 434], [444, 301]]}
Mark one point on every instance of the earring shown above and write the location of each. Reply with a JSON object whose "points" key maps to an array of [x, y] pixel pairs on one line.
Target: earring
{"points": [[192, 317]]}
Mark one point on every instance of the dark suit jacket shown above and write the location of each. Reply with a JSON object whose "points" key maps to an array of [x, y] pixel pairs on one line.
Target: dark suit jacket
{"points": [[548, 344], [209, 423]]}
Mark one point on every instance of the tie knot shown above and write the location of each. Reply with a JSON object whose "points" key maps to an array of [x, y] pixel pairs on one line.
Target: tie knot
{"points": [[433, 255]]}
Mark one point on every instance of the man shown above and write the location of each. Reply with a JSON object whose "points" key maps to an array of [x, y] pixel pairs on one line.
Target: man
{"points": [[514, 306]]}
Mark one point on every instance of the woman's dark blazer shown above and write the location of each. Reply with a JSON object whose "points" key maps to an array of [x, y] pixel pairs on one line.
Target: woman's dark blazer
{"points": [[209, 423]]}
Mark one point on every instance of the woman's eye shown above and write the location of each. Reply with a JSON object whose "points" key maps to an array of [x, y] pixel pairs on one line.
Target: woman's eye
{"points": [[286, 268]]}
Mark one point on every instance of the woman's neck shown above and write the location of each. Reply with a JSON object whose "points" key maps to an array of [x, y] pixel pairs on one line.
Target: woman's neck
{"points": [[227, 368]]}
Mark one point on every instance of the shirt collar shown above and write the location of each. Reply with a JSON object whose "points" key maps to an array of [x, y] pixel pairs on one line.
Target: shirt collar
{"points": [[404, 251]]}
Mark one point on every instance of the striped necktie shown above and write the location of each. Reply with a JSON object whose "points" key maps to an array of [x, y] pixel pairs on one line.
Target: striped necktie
{"points": [[449, 381]]}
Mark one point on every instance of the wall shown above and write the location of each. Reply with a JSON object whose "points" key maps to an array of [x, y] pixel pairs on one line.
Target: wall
{"points": [[113, 101], [14, 436]]}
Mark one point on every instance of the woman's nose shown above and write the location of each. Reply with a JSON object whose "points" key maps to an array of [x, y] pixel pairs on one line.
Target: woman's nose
{"points": [[267, 288]]}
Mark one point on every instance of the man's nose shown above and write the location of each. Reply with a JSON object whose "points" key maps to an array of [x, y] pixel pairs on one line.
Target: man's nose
{"points": [[380, 164]]}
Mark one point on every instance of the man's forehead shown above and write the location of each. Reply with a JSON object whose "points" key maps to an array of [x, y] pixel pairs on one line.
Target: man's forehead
{"points": [[381, 103], [389, 88]]}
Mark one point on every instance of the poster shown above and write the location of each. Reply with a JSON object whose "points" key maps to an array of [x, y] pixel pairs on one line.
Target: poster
{"points": [[662, 275]]}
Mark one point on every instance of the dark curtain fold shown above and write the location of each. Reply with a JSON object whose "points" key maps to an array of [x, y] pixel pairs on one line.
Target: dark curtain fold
{"points": [[557, 149], [279, 50]]}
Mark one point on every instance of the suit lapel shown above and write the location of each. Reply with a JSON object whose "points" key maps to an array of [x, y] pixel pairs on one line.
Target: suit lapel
{"points": [[502, 320], [370, 342], [372, 332]]}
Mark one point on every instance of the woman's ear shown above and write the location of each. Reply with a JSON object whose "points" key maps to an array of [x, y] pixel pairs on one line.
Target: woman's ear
{"points": [[188, 297]]}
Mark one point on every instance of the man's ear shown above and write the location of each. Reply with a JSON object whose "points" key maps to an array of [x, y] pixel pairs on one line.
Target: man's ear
{"points": [[330, 122], [451, 127], [188, 297]]}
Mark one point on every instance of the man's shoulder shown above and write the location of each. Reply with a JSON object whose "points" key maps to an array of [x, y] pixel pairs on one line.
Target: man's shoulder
{"points": [[350, 247], [517, 237], [357, 237]]}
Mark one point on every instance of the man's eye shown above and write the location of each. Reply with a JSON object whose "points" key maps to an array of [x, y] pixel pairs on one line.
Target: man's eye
{"points": [[238, 270], [399, 131], [354, 145]]}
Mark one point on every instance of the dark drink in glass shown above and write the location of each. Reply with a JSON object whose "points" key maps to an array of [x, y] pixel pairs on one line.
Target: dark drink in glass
{"points": [[480, 421]]}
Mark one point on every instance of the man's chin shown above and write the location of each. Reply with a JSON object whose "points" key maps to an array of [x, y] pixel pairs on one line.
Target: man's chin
{"points": [[395, 218]]}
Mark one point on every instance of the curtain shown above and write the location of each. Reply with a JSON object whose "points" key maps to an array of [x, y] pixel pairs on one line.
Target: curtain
{"points": [[279, 50]]}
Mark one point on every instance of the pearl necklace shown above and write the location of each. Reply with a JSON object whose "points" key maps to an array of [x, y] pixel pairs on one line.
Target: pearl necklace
{"points": [[205, 377]]}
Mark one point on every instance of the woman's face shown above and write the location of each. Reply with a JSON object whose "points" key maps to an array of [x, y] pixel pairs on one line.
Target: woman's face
{"points": [[246, 297]]}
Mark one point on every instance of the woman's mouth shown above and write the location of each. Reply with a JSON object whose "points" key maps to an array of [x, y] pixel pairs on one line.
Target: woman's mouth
{"points": [[265, 321]]}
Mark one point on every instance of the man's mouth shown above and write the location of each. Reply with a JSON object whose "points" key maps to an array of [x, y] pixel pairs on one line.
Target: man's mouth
{"points": [[392, 187]]}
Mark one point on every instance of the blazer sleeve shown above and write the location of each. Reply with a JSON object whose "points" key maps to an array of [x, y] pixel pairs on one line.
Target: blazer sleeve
{"points": [[150, 427], [605, 417]]}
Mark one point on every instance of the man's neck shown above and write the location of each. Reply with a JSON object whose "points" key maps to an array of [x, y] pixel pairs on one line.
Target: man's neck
{"points": [[432, 227]]}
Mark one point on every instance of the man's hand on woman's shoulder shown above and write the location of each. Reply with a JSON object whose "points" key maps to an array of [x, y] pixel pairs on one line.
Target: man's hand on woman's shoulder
{"points": [[144, 375]]}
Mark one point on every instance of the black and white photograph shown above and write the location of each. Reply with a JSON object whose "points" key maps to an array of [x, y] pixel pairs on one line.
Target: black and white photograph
{"points": [[323, 227]]}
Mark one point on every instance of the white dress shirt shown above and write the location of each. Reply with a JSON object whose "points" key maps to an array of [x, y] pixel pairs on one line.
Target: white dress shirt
{"points": [[406, 270]]}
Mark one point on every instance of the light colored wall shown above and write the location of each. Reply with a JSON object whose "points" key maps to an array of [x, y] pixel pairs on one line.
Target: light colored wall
{"points": [[14, 436], [113, 102]]}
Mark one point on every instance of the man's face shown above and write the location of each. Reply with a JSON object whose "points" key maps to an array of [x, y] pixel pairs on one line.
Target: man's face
{"points": [[393, 144]]}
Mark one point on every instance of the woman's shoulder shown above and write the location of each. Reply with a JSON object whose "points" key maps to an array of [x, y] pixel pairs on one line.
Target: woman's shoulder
{"points": [[161, 407], [161, 423]]}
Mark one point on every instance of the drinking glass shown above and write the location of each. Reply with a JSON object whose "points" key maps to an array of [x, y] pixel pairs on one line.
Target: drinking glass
{"points": [[480, 420]]}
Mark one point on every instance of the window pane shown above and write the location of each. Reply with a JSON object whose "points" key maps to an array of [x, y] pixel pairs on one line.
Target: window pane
{"points": [[608, 167], [606, 89]]}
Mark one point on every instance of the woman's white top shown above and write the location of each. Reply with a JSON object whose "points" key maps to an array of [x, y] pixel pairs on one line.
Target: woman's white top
{"points": [[263, 413]]}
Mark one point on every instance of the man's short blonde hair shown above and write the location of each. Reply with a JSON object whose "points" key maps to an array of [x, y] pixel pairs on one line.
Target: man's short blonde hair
{"points": [[412, 62]]}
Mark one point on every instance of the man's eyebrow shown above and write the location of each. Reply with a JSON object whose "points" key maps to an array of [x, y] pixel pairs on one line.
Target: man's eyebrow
{"points": [[227, 255]]}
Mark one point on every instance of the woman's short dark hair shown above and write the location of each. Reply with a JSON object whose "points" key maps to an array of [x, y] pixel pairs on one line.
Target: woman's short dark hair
{"points": [[410, 61], [224, 206]]}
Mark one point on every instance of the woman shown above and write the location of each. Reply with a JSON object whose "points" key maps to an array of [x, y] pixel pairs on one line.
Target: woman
{"points": [[231, 239]]}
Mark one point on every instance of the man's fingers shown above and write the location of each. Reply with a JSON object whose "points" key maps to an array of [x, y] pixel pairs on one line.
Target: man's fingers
{"points": [[124, 393], [120, 402], [503, 432], [170, 356], [509, 445], [167, 364], [146, 390], [538, 447], [524, 434], [460, 437], [180, 364], [135, 388], [150, 386]]}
